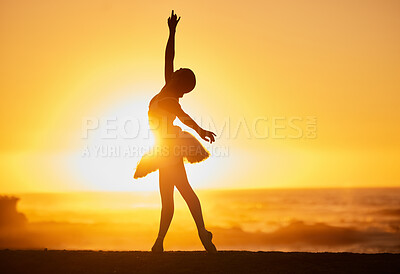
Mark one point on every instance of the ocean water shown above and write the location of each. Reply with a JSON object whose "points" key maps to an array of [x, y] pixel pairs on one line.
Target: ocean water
{"points": [[336, 220]]}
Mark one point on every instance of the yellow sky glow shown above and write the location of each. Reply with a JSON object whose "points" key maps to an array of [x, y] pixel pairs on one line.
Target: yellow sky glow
{"points": [[63, 61]]}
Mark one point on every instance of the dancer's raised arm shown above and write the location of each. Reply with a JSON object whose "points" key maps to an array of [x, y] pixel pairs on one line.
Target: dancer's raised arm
{"points": [[170, 50]]}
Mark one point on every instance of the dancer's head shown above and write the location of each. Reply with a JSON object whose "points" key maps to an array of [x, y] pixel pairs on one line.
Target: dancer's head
{"points": [[183, 81]]}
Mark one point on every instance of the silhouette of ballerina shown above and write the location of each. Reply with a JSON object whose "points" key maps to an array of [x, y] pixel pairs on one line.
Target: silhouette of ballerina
{"points": [[174, 146]]}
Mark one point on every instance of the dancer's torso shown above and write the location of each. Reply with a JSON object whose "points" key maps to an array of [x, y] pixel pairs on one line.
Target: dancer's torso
{"points": [[160, 119]]}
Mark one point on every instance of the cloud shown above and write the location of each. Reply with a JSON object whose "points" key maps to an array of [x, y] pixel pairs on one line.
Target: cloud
{"points": [[388, 212], [17, 233], [9, 217], [298, 236]]}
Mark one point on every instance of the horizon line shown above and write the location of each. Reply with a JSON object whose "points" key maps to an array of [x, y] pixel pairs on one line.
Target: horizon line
{"points": [[201, 190]]}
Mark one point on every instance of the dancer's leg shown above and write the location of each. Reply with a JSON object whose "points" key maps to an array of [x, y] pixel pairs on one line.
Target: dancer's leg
{"points": [[166, 184], [191, 199]]}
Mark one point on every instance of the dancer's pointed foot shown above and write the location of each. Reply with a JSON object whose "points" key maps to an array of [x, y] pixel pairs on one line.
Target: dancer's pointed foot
{"points": [[158, 246], [206, 240]]}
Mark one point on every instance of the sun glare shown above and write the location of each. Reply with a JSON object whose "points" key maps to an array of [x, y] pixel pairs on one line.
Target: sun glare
{"points": [[112, 144]]}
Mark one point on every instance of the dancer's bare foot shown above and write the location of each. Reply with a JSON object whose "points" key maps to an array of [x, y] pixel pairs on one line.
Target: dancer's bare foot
{"points": [[158, 246], [206, 240]]}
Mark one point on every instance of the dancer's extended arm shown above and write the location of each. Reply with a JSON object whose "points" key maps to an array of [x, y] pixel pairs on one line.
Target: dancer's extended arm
{"points": [[170, 50], [173, 106]]}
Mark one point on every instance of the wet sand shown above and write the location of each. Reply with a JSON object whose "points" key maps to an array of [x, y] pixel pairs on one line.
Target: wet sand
{"points": [[58, 261]]}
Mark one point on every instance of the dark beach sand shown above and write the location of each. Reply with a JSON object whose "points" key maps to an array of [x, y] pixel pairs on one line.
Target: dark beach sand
{"points": [[194, 262]]}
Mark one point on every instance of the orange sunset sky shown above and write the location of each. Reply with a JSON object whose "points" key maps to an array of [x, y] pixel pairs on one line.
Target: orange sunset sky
{"points": [[337, 61]]}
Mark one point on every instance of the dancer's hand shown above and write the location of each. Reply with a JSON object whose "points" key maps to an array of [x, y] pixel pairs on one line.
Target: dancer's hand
{"points": [[173, 21], [207, 135]]}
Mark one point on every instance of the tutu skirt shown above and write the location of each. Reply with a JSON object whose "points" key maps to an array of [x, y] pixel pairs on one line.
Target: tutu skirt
{"points": [[170, 151]]}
